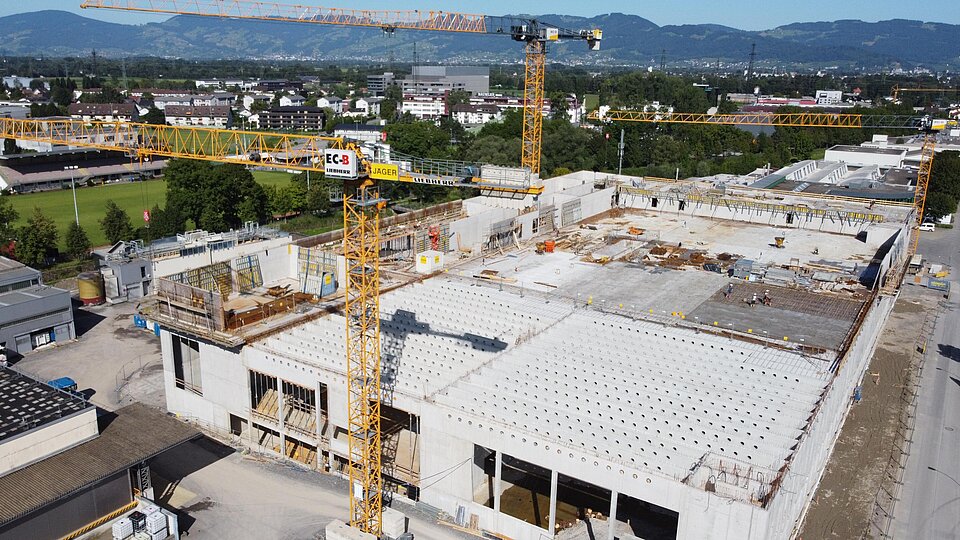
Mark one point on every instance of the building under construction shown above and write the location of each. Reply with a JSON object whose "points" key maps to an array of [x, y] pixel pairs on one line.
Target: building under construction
{"points": [[671, 359]]}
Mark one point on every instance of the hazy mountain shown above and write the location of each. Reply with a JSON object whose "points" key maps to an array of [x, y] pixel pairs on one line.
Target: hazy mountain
{"points": [[628, 40]]}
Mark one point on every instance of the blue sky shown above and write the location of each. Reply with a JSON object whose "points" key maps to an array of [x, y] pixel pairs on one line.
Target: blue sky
{"points": [[744, 14]]}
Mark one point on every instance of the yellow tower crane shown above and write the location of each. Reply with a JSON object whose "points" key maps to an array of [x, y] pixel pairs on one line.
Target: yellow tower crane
{"points": [[361, 200], [533, 33], [335, 157], [896, 90], [811, 119]]}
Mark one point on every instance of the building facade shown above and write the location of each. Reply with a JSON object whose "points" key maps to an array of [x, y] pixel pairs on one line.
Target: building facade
{"points": [[204, 116], [31, 314], [293, 118], [103, 112]]}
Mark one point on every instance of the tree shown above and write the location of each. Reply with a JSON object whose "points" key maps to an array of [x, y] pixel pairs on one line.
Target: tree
{"points": [[215, 197], [116, 223], [457, 97], [8, 215], [38, 240], [154, 116], [41, 110], [78, 245], [727, 107], [10, 147], [939, 205], [166, 222], [61, 96]]}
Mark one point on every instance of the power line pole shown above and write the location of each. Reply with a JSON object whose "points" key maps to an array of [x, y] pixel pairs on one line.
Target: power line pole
{"points": [[663, 60], [753, 58]]}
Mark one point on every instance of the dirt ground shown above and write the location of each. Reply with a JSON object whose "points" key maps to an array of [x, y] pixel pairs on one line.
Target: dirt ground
{"points": [[844, 501]]}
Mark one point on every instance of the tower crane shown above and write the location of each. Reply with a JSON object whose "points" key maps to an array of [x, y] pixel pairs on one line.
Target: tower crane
{"points": [[360, 170], [811, 119], [362, 202], [533, 33], [896, 90]]}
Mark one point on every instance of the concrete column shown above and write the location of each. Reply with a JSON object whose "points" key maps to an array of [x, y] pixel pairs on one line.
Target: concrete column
{"points": [[552, 528], [497, 475], [279, 419], [612, 516]]}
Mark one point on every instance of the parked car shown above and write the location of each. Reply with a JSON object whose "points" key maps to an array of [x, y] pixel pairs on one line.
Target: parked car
{"points": [[928, 226]]}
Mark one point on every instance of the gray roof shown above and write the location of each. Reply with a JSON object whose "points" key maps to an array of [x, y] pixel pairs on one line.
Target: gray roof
{"points": [[128, 436], [29, 294], [10, 264]]}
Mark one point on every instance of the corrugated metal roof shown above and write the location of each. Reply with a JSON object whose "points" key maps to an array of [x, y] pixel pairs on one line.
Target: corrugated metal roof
{"points": [[128, 436]]}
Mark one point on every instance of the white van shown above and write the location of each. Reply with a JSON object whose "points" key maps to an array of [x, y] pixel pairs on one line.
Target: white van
{"points": [[928, 226]]}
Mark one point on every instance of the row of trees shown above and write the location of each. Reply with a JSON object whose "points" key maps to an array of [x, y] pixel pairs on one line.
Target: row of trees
{"points": [[36, 242], [943, 194]]}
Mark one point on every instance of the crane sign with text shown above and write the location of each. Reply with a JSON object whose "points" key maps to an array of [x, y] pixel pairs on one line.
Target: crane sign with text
{"points": [[340, 163]]}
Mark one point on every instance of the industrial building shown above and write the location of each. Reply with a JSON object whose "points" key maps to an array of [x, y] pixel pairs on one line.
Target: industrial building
{"points": [[438, 80], [678, 356], [66, 467], [31, 314]]}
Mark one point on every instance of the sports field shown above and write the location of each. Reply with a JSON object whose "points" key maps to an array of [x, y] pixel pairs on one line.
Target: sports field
{"points": [[92, 201]]}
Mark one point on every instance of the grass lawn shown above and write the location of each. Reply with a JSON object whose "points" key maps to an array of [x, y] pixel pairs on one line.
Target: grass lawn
{"points": [[272, 178], [92, 203]]}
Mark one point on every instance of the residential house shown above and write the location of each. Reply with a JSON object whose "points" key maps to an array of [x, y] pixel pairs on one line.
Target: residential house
{"points": [[424, 107], [104, 112], [369, 105], [183, 100], [263, 99], [295, 100], [474, 115], [217, 99], [332, 102], [180, 115]]}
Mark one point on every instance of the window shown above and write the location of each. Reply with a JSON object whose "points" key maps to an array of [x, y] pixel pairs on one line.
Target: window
{"points": [[186, 364], [143, 272]]}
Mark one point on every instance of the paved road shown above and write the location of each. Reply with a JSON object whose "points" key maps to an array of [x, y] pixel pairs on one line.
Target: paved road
{"points": [[929, 506]]}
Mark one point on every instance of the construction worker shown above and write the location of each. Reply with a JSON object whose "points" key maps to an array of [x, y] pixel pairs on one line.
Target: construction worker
{"points": [[753, 301], [766, 298], [729, 291]]}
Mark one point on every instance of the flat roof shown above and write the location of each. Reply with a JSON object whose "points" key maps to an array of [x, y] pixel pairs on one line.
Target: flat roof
{"points": [[27, 404], [612, 386], [7, 264], [127, 436], [21, 296], [866, 150]]}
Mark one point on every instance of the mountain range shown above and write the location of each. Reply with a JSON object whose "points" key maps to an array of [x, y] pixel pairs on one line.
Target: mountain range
{"points": [[627, 40]]}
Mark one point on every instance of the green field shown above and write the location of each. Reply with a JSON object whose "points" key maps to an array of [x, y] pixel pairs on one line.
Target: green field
{"points": [[272, 178], [92, 202]]}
